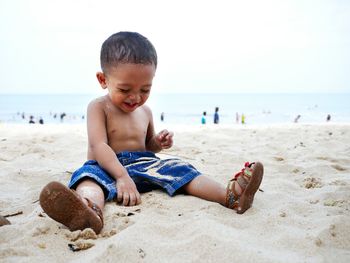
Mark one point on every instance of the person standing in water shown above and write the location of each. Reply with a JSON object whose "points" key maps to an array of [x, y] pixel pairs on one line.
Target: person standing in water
{"points": [[216, 115], [204, 120]]}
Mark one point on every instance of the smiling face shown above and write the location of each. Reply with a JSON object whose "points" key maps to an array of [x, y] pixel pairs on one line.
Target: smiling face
{"points": [[129, 85]]}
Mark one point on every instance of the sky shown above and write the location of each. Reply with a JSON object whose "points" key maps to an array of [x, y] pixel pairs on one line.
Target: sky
{"points": [[251, 46]]}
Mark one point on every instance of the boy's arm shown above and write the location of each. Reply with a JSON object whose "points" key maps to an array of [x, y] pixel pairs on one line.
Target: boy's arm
{"points": [[105, 156], [157, 142]]}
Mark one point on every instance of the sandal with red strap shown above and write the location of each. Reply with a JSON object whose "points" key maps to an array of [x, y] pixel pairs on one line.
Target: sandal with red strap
{"points": [[249, 180]]}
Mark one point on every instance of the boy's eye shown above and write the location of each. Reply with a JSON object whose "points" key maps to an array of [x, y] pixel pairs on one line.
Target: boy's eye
{"points": [[123, 90], [145, 90]]}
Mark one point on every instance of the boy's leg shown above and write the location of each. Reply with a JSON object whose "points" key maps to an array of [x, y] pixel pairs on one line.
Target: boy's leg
{"points": [[208, 189], [90, 190], [241, 189]]}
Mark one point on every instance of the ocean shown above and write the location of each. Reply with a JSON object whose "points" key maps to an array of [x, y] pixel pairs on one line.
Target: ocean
{"points": [[188, 108]]}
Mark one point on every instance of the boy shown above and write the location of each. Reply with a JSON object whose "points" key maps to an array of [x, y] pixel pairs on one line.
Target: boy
{"points": [[122, 143]]}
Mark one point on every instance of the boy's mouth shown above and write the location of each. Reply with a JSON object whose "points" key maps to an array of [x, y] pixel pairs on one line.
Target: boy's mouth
{"points": [[130, 106]]}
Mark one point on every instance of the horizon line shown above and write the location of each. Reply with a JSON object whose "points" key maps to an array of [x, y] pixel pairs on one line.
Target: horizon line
{"points": [[174, 92]]}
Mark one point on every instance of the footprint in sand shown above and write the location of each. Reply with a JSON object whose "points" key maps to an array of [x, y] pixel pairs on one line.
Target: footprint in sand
{"points": [[335, 235], [38, 231], [5, 158], [335, 166], [338, 167], [48, 139], [338, 182], [322, 158], [118, 220]]}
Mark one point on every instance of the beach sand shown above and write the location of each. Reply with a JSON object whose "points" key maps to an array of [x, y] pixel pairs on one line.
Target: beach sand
{"points": [[302, 215]]}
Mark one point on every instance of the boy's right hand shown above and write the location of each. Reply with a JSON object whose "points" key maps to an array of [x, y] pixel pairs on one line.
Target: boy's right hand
{"points": [[127, 191]]}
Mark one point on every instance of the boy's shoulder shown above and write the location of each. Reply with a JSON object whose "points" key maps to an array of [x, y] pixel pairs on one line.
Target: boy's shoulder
{"points": [[99, 102], [146, 108]]}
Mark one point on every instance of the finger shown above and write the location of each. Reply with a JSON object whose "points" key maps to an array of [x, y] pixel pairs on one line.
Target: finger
{"points": [[171, 134], [119, 196], [159, 137], [138, 198], [132, 201], [169, 141], [166, 138], [163, 133], [166, 144], [125, 199], [169, 137]]}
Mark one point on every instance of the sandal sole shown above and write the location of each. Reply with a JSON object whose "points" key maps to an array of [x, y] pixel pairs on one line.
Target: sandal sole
{"points": [[65, 206], [247, 197]]}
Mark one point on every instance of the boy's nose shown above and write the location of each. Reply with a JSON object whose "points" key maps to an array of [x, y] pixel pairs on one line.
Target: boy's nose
{"points": [[134, 97]]}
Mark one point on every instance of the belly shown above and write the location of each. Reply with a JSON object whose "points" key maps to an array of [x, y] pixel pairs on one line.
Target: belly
{"points": [[128, 145]]}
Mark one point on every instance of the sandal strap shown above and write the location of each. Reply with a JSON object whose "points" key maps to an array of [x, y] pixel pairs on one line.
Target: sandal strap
{"points": [[241, 178], [231, 202], [96, 209], [246, 171], [232, 196]]}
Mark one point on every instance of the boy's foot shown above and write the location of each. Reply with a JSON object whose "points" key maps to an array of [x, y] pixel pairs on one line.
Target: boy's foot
{"points": [[242, 188], [67, 207]]}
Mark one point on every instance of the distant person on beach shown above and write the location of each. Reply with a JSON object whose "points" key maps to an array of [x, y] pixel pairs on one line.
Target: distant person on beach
{"points": [[237, 117], [62, 116], [297, 118], [216, 115], [31, 119], [122, 143], [41, 121], [328, 117], [243, 118], [204, 117], [162, 116]]}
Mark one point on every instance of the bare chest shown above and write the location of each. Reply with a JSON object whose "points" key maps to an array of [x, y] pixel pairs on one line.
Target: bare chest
{"points": [[127, 132]]}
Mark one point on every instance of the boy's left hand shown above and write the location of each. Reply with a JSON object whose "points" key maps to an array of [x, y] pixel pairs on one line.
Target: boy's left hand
{"points": [[165, 139]]}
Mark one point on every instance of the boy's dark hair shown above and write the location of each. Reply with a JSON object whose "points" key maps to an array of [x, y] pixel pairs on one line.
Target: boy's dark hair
{"points": [[127, 47]]}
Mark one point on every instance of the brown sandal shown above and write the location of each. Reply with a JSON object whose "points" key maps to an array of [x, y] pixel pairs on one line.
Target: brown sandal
{"points": [[67, 207], [249, 180]]}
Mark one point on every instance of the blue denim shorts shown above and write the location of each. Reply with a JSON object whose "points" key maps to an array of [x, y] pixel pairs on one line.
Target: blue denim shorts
{"points": [[148, 171]]}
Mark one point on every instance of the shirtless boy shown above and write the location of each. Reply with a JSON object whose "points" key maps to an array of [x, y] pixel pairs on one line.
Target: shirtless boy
{"points": [[122, 144]]}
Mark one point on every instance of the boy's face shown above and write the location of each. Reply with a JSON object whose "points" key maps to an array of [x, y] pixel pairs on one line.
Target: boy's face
{"points": [[129, 85]]}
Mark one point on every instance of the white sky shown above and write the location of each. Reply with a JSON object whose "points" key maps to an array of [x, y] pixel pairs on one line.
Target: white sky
{"points": [[203, 46]]}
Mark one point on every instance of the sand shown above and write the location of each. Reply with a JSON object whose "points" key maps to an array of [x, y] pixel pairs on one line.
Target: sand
{"points": [[302, 215]]}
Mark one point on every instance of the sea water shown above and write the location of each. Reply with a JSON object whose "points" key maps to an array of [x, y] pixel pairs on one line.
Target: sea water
{"points": [[187, 108]]}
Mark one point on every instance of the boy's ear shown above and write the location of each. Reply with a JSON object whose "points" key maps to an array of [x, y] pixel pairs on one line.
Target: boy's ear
{"points": [[101, 79]]}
